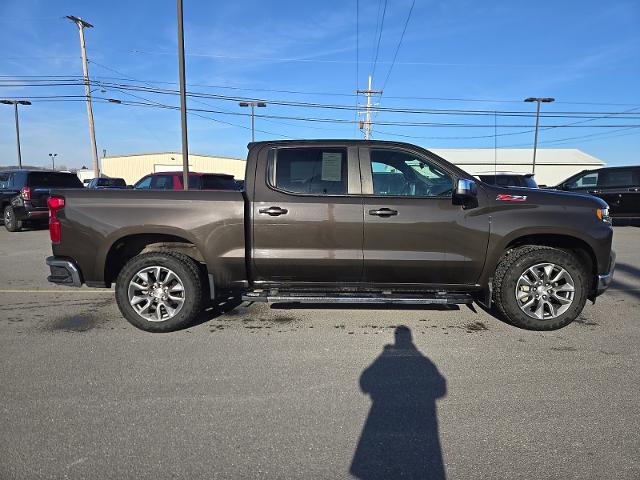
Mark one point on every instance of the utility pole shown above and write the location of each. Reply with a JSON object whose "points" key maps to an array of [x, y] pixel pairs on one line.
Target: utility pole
{"points": [[53, 160], [87, 90], [367, 122], [183, 99], [538, 100], [15, 104], [253, 105]]}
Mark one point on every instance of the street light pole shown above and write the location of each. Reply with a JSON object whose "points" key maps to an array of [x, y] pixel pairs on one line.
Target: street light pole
{"points": [[183, 99], [87, 90], [538, 100], [253, 105], [53, 160], [15, 104]]}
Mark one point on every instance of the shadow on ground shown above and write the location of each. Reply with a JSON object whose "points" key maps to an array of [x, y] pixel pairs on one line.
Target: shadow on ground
{"points": [[400, 437]]}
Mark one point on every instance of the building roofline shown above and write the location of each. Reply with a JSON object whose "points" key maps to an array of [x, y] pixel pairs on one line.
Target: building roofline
{"points": [[145, 154]]}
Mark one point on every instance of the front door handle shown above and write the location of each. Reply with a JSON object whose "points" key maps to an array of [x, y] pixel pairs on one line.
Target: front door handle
{"points": [[383, 212], [634, 189], [274, 211]]}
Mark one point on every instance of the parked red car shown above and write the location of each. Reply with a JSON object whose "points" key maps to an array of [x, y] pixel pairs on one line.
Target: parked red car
{"points": [[197, 181]]}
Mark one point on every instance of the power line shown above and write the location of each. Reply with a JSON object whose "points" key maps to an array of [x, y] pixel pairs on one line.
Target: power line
{"points": [[377, 49], [395, 55]]}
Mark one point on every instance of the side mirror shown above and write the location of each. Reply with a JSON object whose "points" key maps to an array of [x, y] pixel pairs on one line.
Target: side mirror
{"points": [[466, 188]]}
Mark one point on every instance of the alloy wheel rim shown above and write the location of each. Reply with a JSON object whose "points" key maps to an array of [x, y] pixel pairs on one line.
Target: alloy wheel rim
{"points": [[156, 293], [545, 291]]}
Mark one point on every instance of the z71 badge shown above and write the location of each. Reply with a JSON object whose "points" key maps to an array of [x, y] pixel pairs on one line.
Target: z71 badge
{"points": [[511, 198]]}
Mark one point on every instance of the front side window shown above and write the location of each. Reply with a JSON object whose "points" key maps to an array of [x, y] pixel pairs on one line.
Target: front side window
{"points": [[402, 174], [587, 180], [162, 182], [311, 171]]}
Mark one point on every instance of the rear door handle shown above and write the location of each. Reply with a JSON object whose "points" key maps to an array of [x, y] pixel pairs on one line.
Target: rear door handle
{"points": [[274, 211], [383, 212]]}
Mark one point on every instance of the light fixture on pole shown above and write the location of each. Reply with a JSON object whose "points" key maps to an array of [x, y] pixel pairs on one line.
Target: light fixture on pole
{"points": [[15, 104], [253, 105], [538, 100], [53, 160]]}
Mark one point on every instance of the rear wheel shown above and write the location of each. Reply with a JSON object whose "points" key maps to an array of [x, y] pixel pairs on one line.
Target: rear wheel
{"points": [[540, 288], [160, 291], [11, 223]]}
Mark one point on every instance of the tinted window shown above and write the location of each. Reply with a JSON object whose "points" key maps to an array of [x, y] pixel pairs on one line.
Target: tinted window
{"points": [[213, 182], [317, 171], [4, 180], [529, 182], [144, 184], [616, 178], [111, 182], [397, 173], [52, 179]]}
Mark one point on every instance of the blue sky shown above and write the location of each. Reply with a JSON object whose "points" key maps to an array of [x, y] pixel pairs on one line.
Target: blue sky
{"points": [[585, 53]]}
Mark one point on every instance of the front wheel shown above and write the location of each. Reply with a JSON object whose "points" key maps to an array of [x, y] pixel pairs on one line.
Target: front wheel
{"points": [[160, 291], [540, 288], [11, 223]]}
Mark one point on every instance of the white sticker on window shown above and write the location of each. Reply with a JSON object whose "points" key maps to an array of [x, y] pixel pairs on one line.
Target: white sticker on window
{"points": [[331, 167]]}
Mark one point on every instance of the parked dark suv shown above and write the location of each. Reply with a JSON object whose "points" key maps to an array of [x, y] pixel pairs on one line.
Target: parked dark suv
{"points": [[618, 186], [24, 194]]}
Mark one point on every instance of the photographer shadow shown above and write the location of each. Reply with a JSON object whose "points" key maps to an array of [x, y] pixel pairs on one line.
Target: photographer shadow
{"points": [[400, 437]]}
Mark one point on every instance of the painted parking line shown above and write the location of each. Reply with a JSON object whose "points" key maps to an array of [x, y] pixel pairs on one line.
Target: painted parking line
{"points": [[59, 291]]}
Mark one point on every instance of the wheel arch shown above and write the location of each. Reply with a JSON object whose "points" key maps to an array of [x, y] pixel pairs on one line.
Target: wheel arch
{"points": [[127, 247]]}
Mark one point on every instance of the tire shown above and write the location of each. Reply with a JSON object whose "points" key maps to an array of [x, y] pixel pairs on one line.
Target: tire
{"points": [[154, 317], [11, 223], [514, 287]]}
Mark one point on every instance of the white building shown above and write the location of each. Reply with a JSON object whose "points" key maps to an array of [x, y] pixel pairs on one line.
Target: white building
{"points": [[552, 164]]}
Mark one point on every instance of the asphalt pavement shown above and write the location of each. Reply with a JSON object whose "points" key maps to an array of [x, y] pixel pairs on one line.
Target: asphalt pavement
{"points": [[302, 392]]}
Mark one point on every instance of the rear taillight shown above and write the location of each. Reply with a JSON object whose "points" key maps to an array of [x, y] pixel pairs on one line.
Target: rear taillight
{"points": [[55, 204], [25, 193]]}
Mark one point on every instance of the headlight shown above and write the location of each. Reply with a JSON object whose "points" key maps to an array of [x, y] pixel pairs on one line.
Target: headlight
{"points": [[603, 214]]}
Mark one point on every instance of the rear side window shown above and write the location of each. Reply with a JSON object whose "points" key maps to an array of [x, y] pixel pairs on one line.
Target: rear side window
{"points": [[4, 180], [213, 182], [311, 171], [616, 178], [52, 179], [194, 182]]}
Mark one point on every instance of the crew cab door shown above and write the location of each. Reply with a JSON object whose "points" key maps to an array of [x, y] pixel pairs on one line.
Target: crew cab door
{"points": [[620, 188], [413, 231], [307, 228]]}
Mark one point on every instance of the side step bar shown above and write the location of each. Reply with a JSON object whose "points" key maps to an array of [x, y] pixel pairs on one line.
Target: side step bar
{"points": [[411, 298]]}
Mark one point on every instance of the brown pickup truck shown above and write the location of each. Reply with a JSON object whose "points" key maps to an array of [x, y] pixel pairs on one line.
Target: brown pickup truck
{"points": [[337, 221]]}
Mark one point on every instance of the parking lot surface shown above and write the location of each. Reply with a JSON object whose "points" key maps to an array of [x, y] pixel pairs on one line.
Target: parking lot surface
{"points": [[257, 391]]}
